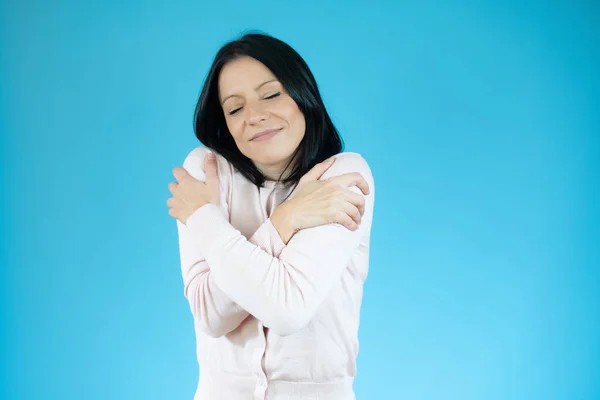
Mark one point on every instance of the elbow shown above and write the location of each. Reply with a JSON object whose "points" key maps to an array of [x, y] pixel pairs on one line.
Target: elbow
{"points": [[206, 321], [215, 330], [209, 323]]}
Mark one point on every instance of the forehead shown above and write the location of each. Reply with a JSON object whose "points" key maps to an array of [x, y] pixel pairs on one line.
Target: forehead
{"points": [[241, 73]]}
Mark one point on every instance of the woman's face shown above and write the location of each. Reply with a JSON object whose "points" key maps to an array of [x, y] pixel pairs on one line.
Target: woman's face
{"points": [[254, 101]]}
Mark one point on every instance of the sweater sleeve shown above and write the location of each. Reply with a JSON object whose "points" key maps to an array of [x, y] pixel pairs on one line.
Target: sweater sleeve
{"points": [[282, 290], [216, 312]]}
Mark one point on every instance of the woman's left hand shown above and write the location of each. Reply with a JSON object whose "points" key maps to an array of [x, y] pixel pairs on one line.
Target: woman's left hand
{"points": [[189, 194]]}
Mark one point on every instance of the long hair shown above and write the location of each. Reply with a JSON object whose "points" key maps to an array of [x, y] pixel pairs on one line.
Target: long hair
{"points": [[321, 139]]}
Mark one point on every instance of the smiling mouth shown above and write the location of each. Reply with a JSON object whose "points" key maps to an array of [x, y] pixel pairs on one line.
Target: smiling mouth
{"points": [[265, 135]]}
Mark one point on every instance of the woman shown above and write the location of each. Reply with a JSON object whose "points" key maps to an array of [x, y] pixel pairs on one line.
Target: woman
{"points": [[274, 224]]}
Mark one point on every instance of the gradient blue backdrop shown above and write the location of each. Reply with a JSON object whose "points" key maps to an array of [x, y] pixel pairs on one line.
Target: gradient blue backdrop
{"points": [[480, 121]]}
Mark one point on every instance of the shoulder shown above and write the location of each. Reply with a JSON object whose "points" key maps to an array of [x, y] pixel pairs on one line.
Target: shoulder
{"points": [[348, 162], [199, 154], [351, 159], [194, 163]]}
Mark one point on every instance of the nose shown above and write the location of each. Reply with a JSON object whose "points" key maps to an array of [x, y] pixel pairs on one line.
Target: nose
{"points": [[255, 113]]}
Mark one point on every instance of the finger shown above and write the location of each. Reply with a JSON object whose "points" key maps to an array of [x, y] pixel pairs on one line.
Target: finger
{"points": [[180, 173], [172, 186], [211, 169], [343, 219], [352, 212], [356, 199], [353, 179], [318, 170]]}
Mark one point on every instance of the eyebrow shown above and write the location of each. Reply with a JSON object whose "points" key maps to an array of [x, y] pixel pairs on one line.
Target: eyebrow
{"points": [[256, 88]]}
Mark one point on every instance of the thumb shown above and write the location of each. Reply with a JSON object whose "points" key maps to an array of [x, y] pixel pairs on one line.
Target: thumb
{"points": [[210, 169], [318, 170]]}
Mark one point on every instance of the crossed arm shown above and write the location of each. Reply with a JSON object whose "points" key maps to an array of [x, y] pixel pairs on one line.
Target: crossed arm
{"points": [[227, 276], [216, 312]]}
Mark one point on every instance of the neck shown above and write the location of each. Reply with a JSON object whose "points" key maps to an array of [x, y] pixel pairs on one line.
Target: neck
{"points": [[272, 172]]}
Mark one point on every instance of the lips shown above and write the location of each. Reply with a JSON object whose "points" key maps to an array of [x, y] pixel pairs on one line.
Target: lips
{"points": [[264, 135]]}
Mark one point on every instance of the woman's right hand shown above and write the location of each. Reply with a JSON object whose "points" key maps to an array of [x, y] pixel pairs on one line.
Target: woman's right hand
{"points": [[319, 202]]}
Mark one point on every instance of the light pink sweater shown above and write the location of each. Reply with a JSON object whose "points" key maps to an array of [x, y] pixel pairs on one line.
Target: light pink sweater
{"points": [[272, 321]]}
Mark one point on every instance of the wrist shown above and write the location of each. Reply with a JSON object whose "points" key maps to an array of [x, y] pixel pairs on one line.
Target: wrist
{"points": [[283, 223]]}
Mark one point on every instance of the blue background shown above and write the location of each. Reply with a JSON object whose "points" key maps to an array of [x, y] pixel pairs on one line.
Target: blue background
{"points": [[480, 121]]}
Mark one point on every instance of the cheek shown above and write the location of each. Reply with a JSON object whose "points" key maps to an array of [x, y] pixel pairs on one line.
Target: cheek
{"points": [[295, 118], [234, 127], [298, 123]]}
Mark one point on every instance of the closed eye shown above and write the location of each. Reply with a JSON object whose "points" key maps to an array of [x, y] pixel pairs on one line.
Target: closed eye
{"points": [[273, 95], [266, 98]]}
